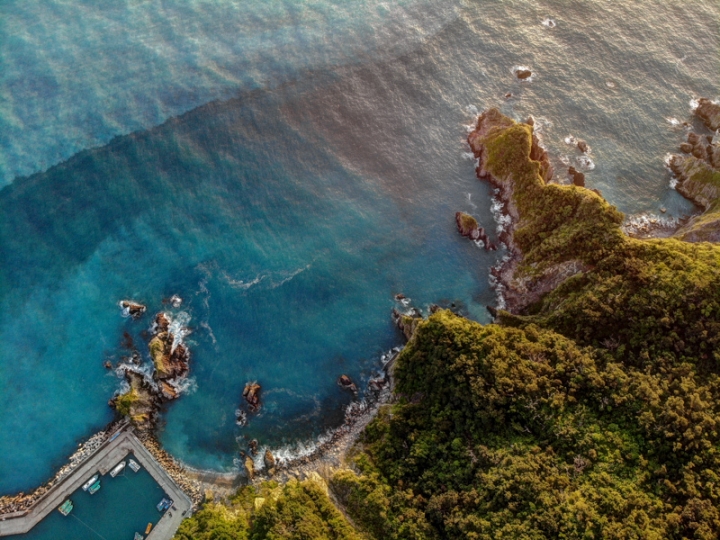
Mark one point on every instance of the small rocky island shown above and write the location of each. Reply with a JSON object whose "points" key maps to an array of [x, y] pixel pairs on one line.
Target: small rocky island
{"points": [[146, 394]]}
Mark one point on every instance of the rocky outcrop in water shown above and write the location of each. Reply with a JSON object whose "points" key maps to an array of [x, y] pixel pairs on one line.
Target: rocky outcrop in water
{"points": [[709, 113], [406, 323], [346, 383], [132, 309], [697, 171], [251, 393], [468, 226], [146, 393]]}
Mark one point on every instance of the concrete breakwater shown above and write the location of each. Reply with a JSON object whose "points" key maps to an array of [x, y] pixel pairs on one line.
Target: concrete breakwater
{"points": [[115, 449], [174, 469], [18, 505]]}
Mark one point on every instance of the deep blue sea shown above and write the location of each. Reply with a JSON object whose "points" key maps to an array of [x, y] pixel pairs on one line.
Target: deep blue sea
{"points": [[286, 168]]}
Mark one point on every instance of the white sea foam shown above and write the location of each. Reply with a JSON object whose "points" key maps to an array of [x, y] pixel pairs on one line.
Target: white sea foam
{"points": [[542, 124], [646, 222], [548, 22], [694, 104], [242, 284], [176, 301], [179, 327], [472, 109], [570, 140], [469, 156], [673, 121], [187, 385], [585, 163], [469, 198]]}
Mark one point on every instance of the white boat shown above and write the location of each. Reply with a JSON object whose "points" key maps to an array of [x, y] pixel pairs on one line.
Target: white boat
{"points": [[90, 482], [133, 465], [118, 469]]}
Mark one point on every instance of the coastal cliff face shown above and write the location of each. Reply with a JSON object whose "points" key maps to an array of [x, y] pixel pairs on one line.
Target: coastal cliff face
{"points": [[555, 231], [697, 171], [590, 411]]}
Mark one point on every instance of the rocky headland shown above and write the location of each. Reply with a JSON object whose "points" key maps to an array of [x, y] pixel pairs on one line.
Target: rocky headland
{"points": [[697, 170]]}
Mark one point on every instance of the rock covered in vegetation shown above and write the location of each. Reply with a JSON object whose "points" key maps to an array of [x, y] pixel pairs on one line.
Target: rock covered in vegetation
{"points": [[709, 112], [145, 395], [468, 226]]}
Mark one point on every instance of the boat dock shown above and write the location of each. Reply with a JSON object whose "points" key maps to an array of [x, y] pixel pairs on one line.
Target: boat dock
{"points": [[106, 457]]}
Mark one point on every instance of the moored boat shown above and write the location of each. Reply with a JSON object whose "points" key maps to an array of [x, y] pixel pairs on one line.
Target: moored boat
{"points": [[118, 469], [90, 482], [138, 536], [94, 488], [148, 528], [133, 465], [66, 507], [164, 505]]}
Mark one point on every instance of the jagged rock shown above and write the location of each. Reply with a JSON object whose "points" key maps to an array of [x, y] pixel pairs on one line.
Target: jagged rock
{"points": [[251, 393], [523, 74], [346, 383], [693, 138], [686, 148], [253, 447], [578, 178], [133, 309], [250, 467], [405, 323], [400, 296], [269, 461], [107, 364], [709, 113], [162, 323], [467, 225], [582, 146]]}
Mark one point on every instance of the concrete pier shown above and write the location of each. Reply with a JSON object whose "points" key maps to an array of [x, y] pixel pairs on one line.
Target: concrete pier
{"points": [[113, 451]]}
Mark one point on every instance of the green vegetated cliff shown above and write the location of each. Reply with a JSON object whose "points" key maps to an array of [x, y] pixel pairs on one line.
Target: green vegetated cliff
{"points": [[296, 510], [591, 411]]}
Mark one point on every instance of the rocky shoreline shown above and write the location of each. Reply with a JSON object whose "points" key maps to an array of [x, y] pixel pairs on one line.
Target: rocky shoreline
{"points": [[514, 294], [697, 172]]}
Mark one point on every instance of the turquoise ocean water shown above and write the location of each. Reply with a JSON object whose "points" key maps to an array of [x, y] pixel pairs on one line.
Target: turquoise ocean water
{"points": [[286, 168]]}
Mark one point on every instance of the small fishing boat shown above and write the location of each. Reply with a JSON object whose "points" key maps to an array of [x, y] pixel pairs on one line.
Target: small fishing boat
{"points": [[164, 505], [138, 536], [148, 528], [133, 465], [118, 469], [66, 507], [90, 482], [94, 488]]}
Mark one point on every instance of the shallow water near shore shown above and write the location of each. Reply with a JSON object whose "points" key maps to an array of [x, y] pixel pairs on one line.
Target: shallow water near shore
{"points": [[288, 213]]}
